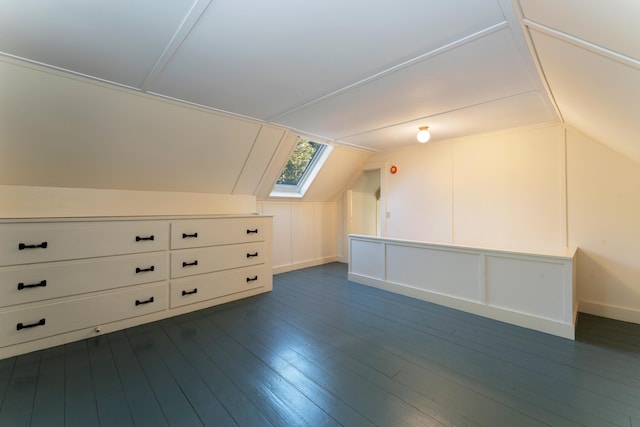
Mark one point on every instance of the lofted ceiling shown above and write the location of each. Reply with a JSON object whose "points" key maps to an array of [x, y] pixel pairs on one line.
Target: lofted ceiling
{"points": [[363, 73], [589, 54]]}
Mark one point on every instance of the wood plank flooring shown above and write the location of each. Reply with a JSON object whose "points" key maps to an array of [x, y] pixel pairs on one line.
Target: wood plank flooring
{"points": [[321, 351]]}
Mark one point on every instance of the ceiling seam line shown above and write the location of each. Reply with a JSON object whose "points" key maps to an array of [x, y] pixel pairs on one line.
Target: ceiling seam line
{"points": [[246, 160], [61, 72], [184, 29], [263, 176], [521, 34], [453, 110], [543, 74], [405, 64], [335, 141], [111, 85], [583, 44], [185, 103]]}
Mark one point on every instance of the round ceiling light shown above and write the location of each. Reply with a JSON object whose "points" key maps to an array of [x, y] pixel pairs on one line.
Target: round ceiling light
{"points": [[423, 135]]}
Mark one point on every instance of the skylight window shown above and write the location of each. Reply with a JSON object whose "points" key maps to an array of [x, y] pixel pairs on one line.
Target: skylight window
{"points": [[301, 169]]}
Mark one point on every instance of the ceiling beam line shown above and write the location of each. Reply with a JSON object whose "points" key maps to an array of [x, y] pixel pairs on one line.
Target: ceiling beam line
{"points": [[583, 44], [184, 29], [550, 99], [328, 140], [440, 113], [450, 46], [512, 11]]}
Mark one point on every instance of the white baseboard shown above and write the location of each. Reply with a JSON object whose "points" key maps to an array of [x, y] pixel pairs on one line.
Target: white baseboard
{"points": [[516, 318], [625, 314], [303, 264]]}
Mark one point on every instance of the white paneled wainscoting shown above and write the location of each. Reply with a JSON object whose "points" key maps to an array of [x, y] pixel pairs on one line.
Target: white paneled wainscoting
{"points": [[533, 290], [304, 233]]}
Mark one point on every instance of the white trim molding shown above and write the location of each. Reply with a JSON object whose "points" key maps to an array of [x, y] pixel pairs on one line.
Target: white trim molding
{"points": [[624, 314]]}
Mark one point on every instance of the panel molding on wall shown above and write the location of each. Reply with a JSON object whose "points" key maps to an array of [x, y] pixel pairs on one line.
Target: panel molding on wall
{"points": [[305, 233], [536, 291], [587, 192], [503, 190]]}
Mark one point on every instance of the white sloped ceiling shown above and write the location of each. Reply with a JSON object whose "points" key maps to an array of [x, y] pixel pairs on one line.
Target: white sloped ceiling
{"points": [[221, 83], [65, 132], [589, 54], [358, 72]]}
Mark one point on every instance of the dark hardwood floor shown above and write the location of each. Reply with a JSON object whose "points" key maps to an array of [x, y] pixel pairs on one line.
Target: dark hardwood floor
{"points": [[321, 351]]}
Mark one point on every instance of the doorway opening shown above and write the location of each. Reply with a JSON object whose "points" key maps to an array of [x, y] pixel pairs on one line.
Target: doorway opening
{"points": [[364, 204]]}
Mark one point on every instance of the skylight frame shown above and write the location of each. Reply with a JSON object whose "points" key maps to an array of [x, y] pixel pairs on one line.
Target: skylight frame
{"points": [[311, 172]]}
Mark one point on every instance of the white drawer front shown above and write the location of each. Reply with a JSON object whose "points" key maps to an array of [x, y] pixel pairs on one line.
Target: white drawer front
{"points": [[51, 319], [188, 262], [222, 231], [190, 290], [24, 284], [31, 243]]}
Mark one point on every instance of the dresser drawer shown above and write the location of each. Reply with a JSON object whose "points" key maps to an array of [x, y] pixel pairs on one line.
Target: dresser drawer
{"points": [[24, 325], [31, 243], [188, 262], [24, 284], [220, 231], [190, 290]]}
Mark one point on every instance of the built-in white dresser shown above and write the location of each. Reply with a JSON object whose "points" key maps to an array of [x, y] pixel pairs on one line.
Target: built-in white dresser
{"points": [[68, 279], [533, 290]]}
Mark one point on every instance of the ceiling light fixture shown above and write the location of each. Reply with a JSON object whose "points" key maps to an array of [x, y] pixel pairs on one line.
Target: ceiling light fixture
{"points": [[423, 135]]}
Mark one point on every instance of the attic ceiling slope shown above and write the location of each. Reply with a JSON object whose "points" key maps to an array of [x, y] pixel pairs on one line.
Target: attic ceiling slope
{"points": [[589, 53], [69, 132], [348, 71], [116, 41]]}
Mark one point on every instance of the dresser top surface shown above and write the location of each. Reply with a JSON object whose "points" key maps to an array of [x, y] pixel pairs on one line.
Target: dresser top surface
{"points": [[126, 218]]}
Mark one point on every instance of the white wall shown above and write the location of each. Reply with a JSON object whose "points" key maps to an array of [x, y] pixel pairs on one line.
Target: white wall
{"points": [[604, 223], [509, 190], [364, 218], [304, 233], [495, 191], [536, 190], [41, 202]]}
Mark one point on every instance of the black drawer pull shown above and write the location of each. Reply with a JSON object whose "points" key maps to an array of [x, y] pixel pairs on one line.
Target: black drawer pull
{"points": [[188, 264], [252, 279], [138, 238], [252, 255], [194, 291], [252, 231], [20, 326], [185, 235], [22, 246], [138, 302], [22, 286], [144, 270]]}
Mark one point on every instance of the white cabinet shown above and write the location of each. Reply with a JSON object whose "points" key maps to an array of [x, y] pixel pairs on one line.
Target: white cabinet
{"points": [[58, 317], [188, 262], [224, 231], [212, 259], [536, 291], [193, 289], [40, 242], [36, 282], [69, 279]]}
